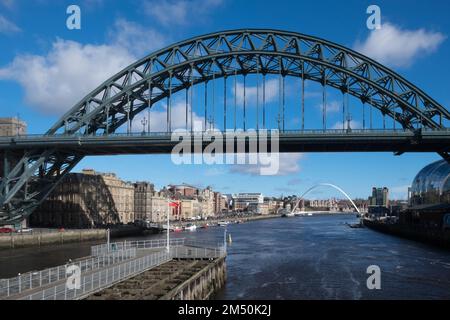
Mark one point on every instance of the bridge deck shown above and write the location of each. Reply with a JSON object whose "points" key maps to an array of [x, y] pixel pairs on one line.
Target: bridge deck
{"points": [[292, 141]]}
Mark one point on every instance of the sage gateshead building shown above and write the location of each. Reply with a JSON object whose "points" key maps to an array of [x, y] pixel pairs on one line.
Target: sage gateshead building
{"points": [[430, 196]]}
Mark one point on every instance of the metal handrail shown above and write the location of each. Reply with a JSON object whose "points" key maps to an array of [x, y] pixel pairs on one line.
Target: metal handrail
{"points": [[141, 244], [37, 279], [97, 281], [197, 133]]}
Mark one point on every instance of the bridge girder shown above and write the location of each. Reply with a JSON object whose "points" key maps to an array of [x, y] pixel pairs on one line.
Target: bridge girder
{"points": [[202, 59]]}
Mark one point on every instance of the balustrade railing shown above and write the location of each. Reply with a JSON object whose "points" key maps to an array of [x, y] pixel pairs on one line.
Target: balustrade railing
{"points": [[108, 265]]}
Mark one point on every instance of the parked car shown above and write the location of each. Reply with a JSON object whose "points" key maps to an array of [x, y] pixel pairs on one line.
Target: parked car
{"points": [[25, 230], [6, 230]]}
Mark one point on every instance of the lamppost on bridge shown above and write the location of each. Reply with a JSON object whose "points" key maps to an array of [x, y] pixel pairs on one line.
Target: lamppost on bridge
{"points": [[144, 123], [349, 121]]}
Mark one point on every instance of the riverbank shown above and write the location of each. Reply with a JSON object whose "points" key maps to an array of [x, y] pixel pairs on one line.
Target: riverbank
{"points": [[59, 237], [236, 219], [215, 222], [440, 238]]}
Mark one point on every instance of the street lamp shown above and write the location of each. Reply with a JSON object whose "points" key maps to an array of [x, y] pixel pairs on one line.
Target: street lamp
{"points": [[168, 227], [144, 123]]}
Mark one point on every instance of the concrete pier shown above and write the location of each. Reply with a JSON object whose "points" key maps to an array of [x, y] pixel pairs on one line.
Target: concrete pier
{"points": [[17, 240], [179, 279], [128, 270], [55, 237]]}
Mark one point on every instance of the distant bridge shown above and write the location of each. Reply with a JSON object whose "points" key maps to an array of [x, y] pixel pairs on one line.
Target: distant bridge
{"points": [[302, 197], [393, 114]]}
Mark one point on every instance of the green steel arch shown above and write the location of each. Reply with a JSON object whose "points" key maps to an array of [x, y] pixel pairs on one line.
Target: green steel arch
{"points": [[202, 59], [228, 53]]}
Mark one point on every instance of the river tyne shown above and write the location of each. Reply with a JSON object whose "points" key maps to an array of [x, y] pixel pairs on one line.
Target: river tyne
{"points": [[297, 258]]}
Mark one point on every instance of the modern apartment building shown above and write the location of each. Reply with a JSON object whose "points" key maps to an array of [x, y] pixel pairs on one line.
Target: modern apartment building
{"points": [[242, 201], [380, 197]]}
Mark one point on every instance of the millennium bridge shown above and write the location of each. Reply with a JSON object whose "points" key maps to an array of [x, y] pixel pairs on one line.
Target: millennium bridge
{"points": [[233, 81]]}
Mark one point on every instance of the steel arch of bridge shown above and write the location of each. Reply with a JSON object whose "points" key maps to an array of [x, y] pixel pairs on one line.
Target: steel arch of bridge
{"points": [[302, 197], [244, 52], [202, 59]]}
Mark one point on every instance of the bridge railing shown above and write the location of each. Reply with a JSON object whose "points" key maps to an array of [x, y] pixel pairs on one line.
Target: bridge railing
{"points": [[142, 244], [99, 280], [102, 279], [199, 133], [38, 279], [198, 252]]}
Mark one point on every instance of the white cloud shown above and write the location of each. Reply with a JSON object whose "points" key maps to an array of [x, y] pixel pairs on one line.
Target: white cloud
{"points": [[397, 47], [135, 38], [353, 125], [180, 12], [7, 27], [158, 119], [332, 106], [288, 165], [54, 82], [251, 92]]}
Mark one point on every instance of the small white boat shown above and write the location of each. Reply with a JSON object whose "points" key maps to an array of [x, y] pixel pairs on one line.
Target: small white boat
{"points": [[287, 215], [190, 227], [223, 223]]}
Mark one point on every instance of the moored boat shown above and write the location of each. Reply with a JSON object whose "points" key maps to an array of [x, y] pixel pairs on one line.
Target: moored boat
{"points": [[190, 227], [177, 229]]}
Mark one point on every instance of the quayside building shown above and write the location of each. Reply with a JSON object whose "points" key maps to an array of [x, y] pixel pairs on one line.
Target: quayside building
{"points": [[430, 198], [427, 216]]}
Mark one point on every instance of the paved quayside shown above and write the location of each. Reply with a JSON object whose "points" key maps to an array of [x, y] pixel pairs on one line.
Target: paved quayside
{"points": [[179, 279], [110, 265]]}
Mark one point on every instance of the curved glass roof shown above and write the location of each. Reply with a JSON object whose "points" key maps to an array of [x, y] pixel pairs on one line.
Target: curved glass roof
{"points": [[431, 183]]}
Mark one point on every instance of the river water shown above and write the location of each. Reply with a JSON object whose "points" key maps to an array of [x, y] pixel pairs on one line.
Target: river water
{"points": [[297, 258]]}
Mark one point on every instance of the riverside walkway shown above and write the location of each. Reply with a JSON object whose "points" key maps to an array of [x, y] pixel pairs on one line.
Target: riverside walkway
{"points": [[107, 266]]}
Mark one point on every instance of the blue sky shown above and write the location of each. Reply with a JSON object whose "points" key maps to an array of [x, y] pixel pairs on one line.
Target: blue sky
{"points": [[46, 68]]}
